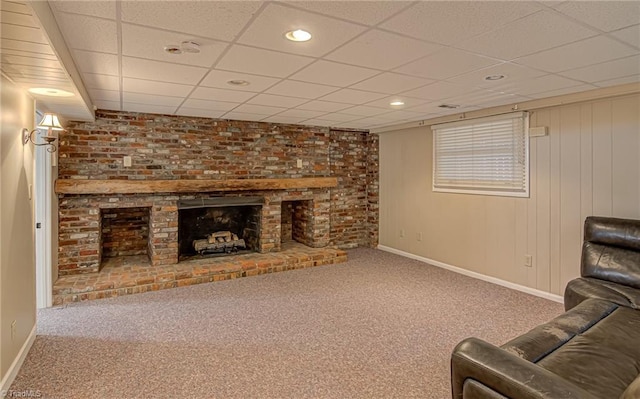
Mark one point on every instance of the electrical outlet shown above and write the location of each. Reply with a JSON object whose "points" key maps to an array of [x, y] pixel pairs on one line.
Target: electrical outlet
{"points": [[13, 330], [528, 260], [299, 163], [419, 236], [401, 232], [126, 161]]}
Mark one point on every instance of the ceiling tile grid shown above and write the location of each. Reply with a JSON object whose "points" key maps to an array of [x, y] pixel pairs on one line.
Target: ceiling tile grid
{"points": [[362, 56]]}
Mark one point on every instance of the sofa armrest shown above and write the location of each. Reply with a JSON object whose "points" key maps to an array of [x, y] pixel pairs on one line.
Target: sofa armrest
{"points": [[507, 374]]}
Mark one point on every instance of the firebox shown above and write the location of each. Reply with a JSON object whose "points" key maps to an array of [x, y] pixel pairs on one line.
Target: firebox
{"points": [[218, 226]]}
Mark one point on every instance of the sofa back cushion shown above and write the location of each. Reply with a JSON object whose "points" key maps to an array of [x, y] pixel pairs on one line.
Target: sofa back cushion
{"points": [[611, 250], [633, 390]]}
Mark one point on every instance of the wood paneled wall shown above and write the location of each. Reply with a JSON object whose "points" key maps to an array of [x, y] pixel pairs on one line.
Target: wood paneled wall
{"points": [[589, 164]]}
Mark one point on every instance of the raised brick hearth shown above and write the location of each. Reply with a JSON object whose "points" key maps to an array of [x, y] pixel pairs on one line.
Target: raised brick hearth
{"points": [[133, 274]]}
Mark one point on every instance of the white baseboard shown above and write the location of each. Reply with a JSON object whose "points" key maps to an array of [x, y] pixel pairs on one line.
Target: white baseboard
{"points": [[17, 363], [494, 280]]}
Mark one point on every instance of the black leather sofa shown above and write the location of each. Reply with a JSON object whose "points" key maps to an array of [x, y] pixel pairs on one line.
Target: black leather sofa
{"points": [[591, 351]]}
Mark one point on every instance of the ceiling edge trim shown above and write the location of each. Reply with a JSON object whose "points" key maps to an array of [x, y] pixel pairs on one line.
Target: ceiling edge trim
{"points": [[43, 16]]}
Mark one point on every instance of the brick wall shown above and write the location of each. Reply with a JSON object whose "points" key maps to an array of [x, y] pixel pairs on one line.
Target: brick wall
{"points": [[176, 147]]}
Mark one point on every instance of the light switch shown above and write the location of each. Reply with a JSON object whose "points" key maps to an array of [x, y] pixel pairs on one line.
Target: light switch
{"points": [[127, 161]]}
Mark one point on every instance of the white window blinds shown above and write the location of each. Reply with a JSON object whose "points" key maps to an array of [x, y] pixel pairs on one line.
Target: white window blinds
{"points": [[483, 156]]}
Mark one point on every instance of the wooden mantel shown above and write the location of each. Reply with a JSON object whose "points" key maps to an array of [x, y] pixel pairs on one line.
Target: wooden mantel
{"points": [[73, 186]]}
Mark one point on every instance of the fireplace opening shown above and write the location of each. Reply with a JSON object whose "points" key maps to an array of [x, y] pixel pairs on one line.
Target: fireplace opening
{"points": [[218, 226], [296, 221], [125, 232]]}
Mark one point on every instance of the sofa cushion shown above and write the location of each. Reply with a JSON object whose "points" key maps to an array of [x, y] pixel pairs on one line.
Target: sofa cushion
{"points": [[611, 250], [581, 289], [544, 339], [605, 359]]}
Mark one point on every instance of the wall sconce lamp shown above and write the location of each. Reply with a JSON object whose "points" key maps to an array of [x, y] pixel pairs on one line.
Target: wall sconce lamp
{"points": [[50, 122]]}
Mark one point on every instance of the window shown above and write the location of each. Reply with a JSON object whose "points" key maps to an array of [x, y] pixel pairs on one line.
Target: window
{"points": [[483, 156]]}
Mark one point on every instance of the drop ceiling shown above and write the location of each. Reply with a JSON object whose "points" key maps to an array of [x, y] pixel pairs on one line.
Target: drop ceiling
{"points": [[362, 56]]}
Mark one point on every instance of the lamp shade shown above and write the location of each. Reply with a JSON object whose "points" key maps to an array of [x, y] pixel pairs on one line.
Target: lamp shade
{"points": [[51, 121]]}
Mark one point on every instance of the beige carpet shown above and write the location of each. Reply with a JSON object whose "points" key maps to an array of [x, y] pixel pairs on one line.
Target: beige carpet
{"points": [[378, 326]]}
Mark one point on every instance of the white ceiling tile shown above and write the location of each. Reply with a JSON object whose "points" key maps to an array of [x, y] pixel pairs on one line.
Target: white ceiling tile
{"points": [[575, 55], [142, 42], [540, 31], [560, 92], [209, 105], [213, 19], [398, 50], [243, 116], [15, 7], [386, 102], [331, 73], [629, 35], [30, 61], [339, 117], [451, 22], [363, 110], [202, 113], [11, 44], [301, 89], [95, 8], [511, 72], [161, 71], [97, 63], [319, 122], [604, 15], [261, 62], [606, 71], [434, 109], [209, 93], [390, 83], [104, 82], [13, 18], [104, 95], [108, 105], [403, 115], [446, 63], [23, 33], [619, 81], [540, 84], [365, 12], [219, 79], [351, 96], [283, 119], [258, 109], [301, 113], [150, 99], [325, 106], [268, 29], [278, 101], [438, 90], [153, 87], [152, 109], [88, 33], [485, 98]]}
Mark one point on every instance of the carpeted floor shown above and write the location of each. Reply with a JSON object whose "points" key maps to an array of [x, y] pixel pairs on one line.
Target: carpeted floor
{"points": [[378, 326]]}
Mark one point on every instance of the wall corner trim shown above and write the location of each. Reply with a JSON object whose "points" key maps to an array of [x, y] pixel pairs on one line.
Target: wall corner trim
{"points": [[12, 372], [459, 270]]}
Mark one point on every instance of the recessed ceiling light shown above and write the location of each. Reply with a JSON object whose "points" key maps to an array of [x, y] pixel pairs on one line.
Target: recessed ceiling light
{"points": [[396, 103], [448, 106], [46, 91], [298, 35], [494, 77], [238, 82]]}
